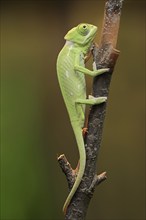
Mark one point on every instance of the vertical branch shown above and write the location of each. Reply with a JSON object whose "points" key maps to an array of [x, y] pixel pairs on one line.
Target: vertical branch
{"points": [[105, 56], [111, 22]]}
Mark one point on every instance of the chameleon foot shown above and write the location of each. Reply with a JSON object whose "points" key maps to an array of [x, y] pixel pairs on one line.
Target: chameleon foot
{"points": [[84, 131], [97, 100]]}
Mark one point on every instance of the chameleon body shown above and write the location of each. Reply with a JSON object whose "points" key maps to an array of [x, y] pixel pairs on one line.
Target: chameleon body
{"points": [[70, 70]]}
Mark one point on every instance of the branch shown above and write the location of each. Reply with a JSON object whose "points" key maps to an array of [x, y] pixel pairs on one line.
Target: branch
{"points": [[104, 56], [67, 170]]}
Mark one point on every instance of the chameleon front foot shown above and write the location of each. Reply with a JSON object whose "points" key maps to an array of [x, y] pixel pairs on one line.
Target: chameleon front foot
{"points": [[98, 100]]}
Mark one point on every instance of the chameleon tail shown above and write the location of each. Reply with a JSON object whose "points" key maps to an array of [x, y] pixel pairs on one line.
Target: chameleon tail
{"points": [[82, 155]]}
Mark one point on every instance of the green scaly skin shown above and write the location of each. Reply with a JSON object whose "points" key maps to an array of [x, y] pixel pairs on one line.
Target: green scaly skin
{"points": [[70, 71]]}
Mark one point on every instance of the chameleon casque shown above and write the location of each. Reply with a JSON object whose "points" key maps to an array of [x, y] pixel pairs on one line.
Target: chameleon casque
{"points": [[70, 70]]}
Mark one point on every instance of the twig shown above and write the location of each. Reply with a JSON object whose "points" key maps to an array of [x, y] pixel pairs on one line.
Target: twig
{"points": [[104, 56], [67, 170]]}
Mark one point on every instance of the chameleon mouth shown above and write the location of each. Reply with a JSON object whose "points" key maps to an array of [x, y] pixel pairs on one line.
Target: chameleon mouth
{"points": [[92, 34]]}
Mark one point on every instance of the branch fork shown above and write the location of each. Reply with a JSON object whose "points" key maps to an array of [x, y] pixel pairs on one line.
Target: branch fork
{"points": [[72, 173]]}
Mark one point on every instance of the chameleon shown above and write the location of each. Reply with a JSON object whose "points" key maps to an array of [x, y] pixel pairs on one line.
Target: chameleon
{"points": [[71, 72]]}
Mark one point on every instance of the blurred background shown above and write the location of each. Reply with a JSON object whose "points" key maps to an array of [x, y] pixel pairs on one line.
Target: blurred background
{"points": [[35, 125]]}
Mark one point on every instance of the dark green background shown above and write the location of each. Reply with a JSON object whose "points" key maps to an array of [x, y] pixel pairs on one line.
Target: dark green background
{"points": [[35, 125]]}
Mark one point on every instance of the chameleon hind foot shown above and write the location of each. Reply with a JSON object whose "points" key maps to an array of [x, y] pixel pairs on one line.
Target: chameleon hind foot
{"points": [[84, 131], [92, 100]]}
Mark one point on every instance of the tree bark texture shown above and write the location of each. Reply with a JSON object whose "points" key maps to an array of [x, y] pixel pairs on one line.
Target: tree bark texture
{"points": [[105, 56]]}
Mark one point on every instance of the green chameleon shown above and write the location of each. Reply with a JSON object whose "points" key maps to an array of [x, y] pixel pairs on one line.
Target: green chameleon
{"points": [[70, 70]]}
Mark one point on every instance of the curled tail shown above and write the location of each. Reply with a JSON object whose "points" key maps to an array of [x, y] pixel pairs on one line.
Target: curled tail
{"points": [[82, 155]]}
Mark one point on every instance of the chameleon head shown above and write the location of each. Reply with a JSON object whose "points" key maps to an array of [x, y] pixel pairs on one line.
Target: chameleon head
{"points": [[82, 34]]}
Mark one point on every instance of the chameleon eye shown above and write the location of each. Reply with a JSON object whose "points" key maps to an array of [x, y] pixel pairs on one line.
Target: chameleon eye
{"points": [[83, 29]]}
